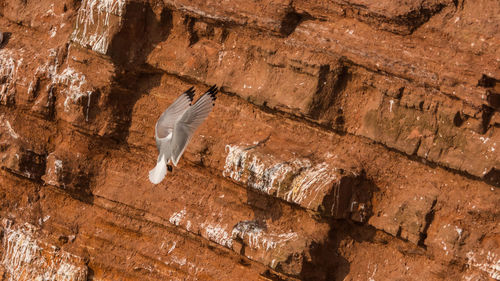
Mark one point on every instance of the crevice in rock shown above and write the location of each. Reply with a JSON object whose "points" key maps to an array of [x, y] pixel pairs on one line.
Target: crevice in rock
{"points": [[417, 18], [90, 273], [5, 39], [458, 120], [193, 35], [351, 199], [331, 84], [487, 81], [486, 114], [459, 4], [20, 175], [493, 99], [429, 218], [291, 20], [492, 92], [493, 177], [51, 104]]}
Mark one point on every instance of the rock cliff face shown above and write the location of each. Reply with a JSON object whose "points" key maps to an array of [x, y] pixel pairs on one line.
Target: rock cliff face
{"points": [[351, 140]]}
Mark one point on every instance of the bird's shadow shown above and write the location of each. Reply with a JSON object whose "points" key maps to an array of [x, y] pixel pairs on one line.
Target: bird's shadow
{"points": [[142, 30]]}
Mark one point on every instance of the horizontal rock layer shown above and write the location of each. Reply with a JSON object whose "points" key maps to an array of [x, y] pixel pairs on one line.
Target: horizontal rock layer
{"points": [[350, 140]]}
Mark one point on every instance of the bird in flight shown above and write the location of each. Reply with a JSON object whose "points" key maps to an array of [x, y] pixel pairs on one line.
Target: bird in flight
{"points": [[176, 126]]}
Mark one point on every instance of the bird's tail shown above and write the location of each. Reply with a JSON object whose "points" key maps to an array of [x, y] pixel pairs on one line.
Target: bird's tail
{"points": [[158, 173]]}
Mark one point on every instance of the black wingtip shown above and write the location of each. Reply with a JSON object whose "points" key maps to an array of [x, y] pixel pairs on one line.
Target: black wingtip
{"points": [[212, 92], [214, 87], [190, 93]]}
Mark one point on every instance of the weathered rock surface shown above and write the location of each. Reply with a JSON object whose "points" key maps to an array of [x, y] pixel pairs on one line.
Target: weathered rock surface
{"points": [[351, 140]]}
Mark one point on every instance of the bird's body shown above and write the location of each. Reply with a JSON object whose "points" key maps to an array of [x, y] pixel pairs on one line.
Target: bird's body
{"points": [[176, 126]]}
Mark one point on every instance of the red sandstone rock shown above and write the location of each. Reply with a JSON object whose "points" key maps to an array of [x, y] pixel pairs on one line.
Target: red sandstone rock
{"points": [[351, 140]]}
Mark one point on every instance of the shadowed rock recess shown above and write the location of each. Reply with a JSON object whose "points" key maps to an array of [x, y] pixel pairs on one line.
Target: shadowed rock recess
{"points": [[351, 140]]}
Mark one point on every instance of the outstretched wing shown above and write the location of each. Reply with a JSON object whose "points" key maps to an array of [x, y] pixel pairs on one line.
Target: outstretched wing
{"points": [[191, 119], [168, 118]]}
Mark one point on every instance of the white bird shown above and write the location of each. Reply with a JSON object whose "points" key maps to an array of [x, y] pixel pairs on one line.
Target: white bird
{"points": [[176, 126]]}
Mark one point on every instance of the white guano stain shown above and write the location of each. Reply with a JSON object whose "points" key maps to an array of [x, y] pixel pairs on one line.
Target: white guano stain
{"points": [[172, 248], [459, 231], [88, 106], [445, 247], [261, 176], [192, 268], [50, 11], [268, 175], [27, 259], [309, 183], [221, 56], [93, 23], [235, 161], [11, 131], [58, 165], [218, 234], [53, 32], [73, 81], [258, 238], [176, 218], [484, 140], [178, 261], [6, 124], [371, 278], [489, 264], [9, 64], [55, 172]]}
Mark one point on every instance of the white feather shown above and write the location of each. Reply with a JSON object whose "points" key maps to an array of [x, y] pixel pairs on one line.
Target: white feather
{"points": [[158, 173]]}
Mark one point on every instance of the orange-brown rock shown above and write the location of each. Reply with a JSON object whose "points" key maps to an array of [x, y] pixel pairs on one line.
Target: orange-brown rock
{"points": [[351, 140]]}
